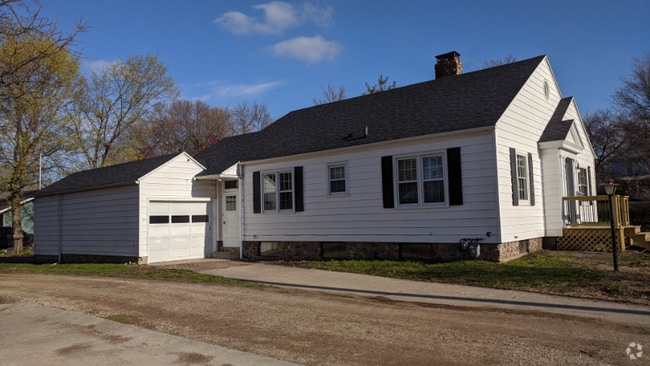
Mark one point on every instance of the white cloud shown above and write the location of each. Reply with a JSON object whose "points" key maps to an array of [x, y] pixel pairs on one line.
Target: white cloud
{"points": [[245, 90], [310, 49], [321, 16], [278, 17], [219, 91]]}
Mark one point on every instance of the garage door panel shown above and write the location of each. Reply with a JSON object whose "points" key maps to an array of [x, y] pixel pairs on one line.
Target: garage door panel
{"points": [[178, 237]]}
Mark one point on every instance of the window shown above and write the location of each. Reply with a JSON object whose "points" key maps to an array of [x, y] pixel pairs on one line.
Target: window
{"points": [[180, 219], [285, 191], [269, 192], [269, 249], [334, 250], [336, 177], [159, 219], [582, 182], [416, 251], [200, 218], [522, 177], [231, 203], [278, 191], [421, 179]]}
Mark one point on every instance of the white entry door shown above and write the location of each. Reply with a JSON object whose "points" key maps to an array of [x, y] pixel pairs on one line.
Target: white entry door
{"points": [[230, 218]]}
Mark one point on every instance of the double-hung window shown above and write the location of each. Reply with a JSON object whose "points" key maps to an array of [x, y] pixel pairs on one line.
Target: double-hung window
{"points": [[582, 182], [522, 177], [421, 179], [278, 191], [337, 179]]}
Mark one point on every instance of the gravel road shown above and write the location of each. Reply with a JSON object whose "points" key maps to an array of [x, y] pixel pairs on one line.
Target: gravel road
{"points": [[314, 328]]}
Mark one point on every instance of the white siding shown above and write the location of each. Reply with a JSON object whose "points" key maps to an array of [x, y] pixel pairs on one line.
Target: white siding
{"points": [[360, 216], [173, 181], [555, 172], [553, 190], [520, 127]]}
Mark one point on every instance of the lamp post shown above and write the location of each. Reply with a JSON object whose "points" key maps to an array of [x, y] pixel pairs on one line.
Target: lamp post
{"points": [[610, 189]]}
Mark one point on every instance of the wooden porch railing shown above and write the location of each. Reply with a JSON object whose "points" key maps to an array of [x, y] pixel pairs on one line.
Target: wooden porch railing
{"points": [[592, 211]]}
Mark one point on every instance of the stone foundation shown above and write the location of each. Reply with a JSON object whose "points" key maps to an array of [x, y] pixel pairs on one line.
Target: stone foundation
{"points": [[433, 252], [512, 250]]}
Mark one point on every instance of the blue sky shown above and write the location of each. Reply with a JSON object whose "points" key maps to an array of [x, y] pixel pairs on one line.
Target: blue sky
{"points": [[282, 53]]}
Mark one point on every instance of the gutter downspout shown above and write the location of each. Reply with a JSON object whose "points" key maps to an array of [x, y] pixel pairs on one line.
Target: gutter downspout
{"points": [[60, 225], [240, 174]]}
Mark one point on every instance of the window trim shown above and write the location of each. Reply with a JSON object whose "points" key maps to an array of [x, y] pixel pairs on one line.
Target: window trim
{"points": [[278, 190], [345, 179], [522, 178], [419, 156], [582, 172]]}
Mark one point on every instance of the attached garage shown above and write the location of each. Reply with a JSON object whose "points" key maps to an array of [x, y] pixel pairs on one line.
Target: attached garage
{"points": [[178, 230], [145, 211]]}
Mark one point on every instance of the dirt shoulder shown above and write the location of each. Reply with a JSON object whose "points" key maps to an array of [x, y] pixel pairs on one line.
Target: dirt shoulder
{"points": [[316, 328]]}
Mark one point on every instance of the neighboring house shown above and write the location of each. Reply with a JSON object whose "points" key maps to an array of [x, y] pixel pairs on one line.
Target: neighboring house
{"points": [[26, 215], [407, 173]]}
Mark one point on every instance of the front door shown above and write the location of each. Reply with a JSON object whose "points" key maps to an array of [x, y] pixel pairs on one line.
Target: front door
{"points": [[571, 209], [230, 218]]}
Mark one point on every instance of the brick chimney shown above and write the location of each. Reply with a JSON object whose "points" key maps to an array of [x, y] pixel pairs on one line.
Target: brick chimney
{"points": [[448, 64]]}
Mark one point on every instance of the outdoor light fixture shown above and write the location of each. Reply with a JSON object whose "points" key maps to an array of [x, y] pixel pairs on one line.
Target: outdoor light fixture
{"points": [[610, 189]]}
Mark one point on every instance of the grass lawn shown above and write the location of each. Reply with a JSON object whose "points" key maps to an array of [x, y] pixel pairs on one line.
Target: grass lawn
{"points": [[579, 274], [118, 270]]}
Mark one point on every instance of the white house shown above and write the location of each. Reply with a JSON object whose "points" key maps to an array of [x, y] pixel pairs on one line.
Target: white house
{"points": [[409, 173]]}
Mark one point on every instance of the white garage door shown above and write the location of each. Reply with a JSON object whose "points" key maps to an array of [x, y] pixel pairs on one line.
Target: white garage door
{"points": [[178, 230]]}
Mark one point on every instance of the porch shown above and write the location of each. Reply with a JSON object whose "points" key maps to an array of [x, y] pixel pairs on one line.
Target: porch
{"points": [[587, 224]]}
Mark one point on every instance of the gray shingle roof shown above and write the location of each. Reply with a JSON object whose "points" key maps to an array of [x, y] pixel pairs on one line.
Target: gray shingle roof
{"points": [[471, 100], [110, 176], [557, 129]]}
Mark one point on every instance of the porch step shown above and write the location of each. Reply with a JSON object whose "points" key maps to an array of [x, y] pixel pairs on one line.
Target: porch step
{"points": [[642, 239], [226, 255]]}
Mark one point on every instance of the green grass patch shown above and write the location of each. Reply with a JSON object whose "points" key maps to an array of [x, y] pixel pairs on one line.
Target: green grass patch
{"points": [[533, 271], [27, 251], [119, 270]]}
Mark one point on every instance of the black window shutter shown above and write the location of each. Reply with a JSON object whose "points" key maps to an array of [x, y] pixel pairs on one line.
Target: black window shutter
{"points": [[455, 176], [530, 178], [387, 181], [589, 192], [513, 177], [299, 193], [257, 194]]}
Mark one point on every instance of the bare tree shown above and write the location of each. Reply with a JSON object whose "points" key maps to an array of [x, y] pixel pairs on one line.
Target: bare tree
{"points": [[607, 133], [245, 118], [182, 125], [114, 100], [331, 94], [633, 97], [37, 71], [499, 61], [382, 85]]}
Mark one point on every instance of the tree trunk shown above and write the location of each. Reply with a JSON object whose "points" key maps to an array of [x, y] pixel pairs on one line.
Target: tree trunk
{"points": [[16, 215]]}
